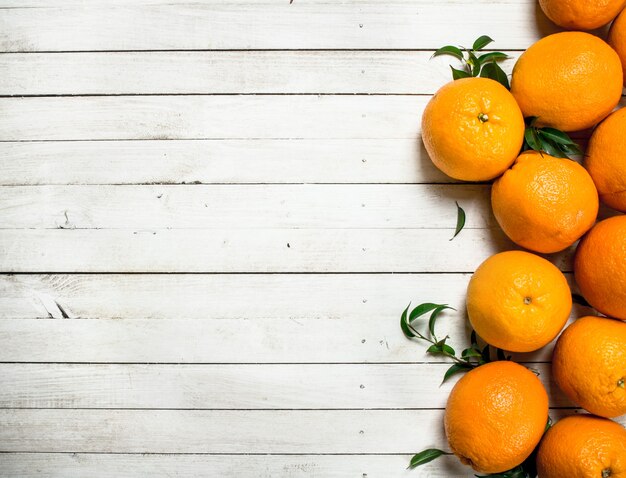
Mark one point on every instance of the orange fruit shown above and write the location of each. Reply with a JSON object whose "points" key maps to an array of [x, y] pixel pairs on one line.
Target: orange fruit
{"points": [[518, 301], [581, 14], [600, 267], [617, 39], [606, 160], [589, 365], [544, 203], [583, 446], [569, 80], [495, 416], [472, 129]]}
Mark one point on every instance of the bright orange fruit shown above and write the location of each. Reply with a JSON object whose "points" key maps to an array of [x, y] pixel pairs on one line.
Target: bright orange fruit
{"points": [[570, 81], [518, 301], [583, 446], [495, 416], [544, 203], [600, 267], [581, 14], [617, 39], [473, 129]]}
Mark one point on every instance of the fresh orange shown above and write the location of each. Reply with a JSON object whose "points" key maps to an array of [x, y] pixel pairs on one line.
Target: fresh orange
{"points": [[518, 301], [617, 39], [472, 129], [569, 80], [581, 14], [589, 365], [495, 416], [583, 446], [545, 203], [606, 160], [600, 267]]}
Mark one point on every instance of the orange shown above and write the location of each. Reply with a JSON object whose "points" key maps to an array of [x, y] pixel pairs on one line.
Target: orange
{"points": [[495, 416], [583, 446], [589, 365], [600, 267], [569, 80], [606, 160], [518, 301], [581, 14], [545, 203], [617, 39], [472, 129]]}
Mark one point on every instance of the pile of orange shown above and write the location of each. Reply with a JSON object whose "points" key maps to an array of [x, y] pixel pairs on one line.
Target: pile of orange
{"points": [[473, 130]]}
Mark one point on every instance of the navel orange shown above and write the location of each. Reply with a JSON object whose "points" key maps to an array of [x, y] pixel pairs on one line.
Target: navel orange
{"points": [[606, 160], [600, 267], [518, 301], [583, 446], [617, 39], [569, 80], [544, 203], [472, 129], [581, 14], [589, 365], [495, 416]]}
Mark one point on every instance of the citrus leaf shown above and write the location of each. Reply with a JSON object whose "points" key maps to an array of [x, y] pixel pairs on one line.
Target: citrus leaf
{"points": [[422, 309], [474, 339], [434, 349], [426, 456], [494, 72], [486, 353], [458, 74], [556, 135], [549, 147], [531, 138], [447, 349], [471, 352], [493, 55], [406, 330], [460, 220], [449, 50], [433, 318], [473, 63], [453, 370], [481, 42]]}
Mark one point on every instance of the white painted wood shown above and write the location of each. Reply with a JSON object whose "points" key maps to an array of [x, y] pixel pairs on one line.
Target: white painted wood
{"points": [[304, 24], [79, 465], [223, 431], [252, 250], [247, 207], [228, 387], [214, 117], [218, 161], [370, 72]]}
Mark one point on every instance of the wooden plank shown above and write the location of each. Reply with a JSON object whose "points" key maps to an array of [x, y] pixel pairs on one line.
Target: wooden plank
{"points": [[210, 117], [328, 72], [228, 387], [248, 206], [250, 250], [223, 431], [79, 465], [218, 161], [265, 24]]}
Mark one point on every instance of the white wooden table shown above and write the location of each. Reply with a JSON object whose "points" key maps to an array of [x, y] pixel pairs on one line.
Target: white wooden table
{"points": [[212, 215]]}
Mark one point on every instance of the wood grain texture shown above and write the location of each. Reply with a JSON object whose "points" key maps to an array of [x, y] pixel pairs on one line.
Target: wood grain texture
{"points": [[247, 207], [302, 72], [79, 465], [233, 387], [252, 250], [265, 24]]}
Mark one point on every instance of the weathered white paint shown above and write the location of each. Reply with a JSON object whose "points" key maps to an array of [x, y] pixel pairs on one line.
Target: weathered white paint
{"points": [[65, 25]]}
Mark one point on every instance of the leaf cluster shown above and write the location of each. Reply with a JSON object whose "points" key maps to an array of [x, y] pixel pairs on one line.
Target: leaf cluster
{"points": [[483, 65], [549, 140]]}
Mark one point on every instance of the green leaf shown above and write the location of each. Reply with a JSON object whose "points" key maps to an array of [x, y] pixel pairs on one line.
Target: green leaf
{"points": [[460, 220], [473, 63], [426, 456], [422, 309], [471, 352], [433, 318], [486, 354], [493, 55], [458, 74], [481, 42], [556, 135], [406, 330], [531, 138], [449, 50], [580, 300], [434, 349], [447, 349], [494, 72], [549, 147], [453, 370], [474, 339]]}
